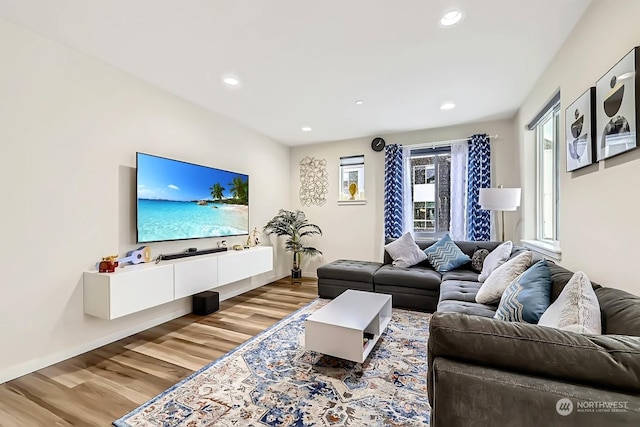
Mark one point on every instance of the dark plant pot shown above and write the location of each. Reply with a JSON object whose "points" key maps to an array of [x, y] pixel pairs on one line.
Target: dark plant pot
{"points": [[296, 273]]}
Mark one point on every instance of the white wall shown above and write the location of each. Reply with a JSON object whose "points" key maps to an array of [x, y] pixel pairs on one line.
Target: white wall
{"points": [[599, 206], [69, 129], [357, 231]]}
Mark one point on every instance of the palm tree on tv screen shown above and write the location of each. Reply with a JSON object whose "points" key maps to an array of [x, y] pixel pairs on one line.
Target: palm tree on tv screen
{"points": [[240, 190], [216, 191]]}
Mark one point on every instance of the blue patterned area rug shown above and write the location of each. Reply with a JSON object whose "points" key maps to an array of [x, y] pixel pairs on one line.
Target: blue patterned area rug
{"points": [[271, 380]]}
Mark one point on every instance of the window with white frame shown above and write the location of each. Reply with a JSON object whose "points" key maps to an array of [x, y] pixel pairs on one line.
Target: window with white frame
{"points": [[547, 142], [430, 191], [352, 179]]}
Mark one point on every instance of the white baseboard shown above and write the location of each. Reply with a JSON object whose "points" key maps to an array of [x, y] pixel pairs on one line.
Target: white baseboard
{"points": [[36, 364]]}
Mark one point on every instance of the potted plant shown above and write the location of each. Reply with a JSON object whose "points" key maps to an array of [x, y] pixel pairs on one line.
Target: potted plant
{"points": [[295, 226]]}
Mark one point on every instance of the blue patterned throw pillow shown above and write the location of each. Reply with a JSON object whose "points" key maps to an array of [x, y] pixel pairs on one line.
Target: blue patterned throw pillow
{"points": [[445, 255], [528, 296]]}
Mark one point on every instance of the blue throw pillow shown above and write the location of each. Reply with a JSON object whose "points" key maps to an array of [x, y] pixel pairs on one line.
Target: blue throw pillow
{"points": [[528, 296], [445, 255]]}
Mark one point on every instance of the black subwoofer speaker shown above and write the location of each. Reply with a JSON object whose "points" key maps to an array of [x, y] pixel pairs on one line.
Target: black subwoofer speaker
{"points": [[206, 302]]}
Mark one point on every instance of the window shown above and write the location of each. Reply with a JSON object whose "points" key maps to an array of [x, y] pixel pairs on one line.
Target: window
{"points": [[430, 191], [352, 179], [547, 140], [543, 233]]}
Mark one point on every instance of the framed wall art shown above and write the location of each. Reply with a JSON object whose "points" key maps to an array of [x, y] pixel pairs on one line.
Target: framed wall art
{"points": [[617, 95], [580, 124]]}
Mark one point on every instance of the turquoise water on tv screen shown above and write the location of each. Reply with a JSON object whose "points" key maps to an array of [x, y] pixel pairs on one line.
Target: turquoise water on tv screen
{"points": [[170, 220], [179, 200]]}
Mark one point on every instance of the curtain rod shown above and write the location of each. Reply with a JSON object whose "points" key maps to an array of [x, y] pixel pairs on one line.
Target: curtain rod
{"points": [[435, 144]]}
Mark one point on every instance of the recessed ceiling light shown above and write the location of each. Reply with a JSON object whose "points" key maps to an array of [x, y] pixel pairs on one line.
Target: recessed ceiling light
{"points": [[447, 106], [359, 102], [306, 129], [452, 17], [231, 80]]}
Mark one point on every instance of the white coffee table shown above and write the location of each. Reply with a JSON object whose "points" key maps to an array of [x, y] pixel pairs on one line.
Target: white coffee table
{"points": [[338, 329]]}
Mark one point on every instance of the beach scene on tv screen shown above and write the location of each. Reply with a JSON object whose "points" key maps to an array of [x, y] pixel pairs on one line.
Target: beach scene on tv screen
{"points": [[178, 200]]}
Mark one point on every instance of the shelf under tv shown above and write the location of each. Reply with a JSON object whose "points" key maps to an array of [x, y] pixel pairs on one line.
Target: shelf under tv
{"points": [[139, 287]]}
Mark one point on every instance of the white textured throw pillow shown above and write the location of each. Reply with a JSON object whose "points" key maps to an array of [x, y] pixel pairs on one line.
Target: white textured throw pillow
{"points": [[492, 289], [405, 252], [495, 259], [576, 309]]}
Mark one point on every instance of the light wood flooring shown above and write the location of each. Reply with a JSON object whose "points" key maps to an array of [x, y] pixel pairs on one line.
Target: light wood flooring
{"points": [[100, 386]]}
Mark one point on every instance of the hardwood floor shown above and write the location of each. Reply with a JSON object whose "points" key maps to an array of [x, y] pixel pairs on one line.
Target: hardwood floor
{"points": [[100, 386]]}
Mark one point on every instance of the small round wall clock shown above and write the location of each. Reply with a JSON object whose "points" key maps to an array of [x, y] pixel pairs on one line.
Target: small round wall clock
{"points": [[377, 144]]}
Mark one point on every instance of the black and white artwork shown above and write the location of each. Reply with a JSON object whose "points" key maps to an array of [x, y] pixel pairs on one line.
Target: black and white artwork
{"points": [[581, 131], [616, 113], [314, 181]]}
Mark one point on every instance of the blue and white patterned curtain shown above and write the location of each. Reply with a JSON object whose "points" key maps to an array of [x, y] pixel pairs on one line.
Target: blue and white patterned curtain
{"points": [[478, 176], [393, 191]]}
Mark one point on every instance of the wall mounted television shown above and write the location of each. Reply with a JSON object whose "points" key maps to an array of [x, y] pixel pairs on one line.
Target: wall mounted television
{"points": [[178, 200]]}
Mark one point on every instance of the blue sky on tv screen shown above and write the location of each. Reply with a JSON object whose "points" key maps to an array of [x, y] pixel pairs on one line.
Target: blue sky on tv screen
{"points": [[165, 179]]}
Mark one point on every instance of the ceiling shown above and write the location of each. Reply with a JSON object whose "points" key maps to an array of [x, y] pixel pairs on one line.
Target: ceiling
{"points": [[304, 63]]}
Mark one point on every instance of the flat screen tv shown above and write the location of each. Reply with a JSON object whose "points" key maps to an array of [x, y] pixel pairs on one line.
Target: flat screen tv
{"points": [[178, 200]]}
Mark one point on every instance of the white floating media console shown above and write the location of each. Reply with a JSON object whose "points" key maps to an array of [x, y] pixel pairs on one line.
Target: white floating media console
{"points": [[138, 287]]}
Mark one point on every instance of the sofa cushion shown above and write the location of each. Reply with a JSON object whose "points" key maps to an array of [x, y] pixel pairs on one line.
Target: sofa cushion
{"points": [[343, 269], [444, 255], [492, 288], [603, 361], [620, 311], [414, 277], [413, 298], [576, 309], [464, 275], [458, 290], [528, 296], [461, 391], [495, 259], [464, 307], [560, 276], [469, 247], [457, 296], [331, 288], [405, 252]]}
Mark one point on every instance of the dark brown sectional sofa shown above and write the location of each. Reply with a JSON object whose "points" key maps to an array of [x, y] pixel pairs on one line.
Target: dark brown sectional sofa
{"points": [[487, 372]]}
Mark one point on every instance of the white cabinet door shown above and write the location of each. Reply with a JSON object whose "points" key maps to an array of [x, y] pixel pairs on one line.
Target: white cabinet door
{"points": [[240, 265], [195, 275], [128, 290]]}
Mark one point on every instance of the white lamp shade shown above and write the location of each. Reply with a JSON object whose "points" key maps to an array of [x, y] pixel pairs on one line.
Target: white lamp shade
{"points": [[499, 199]]}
